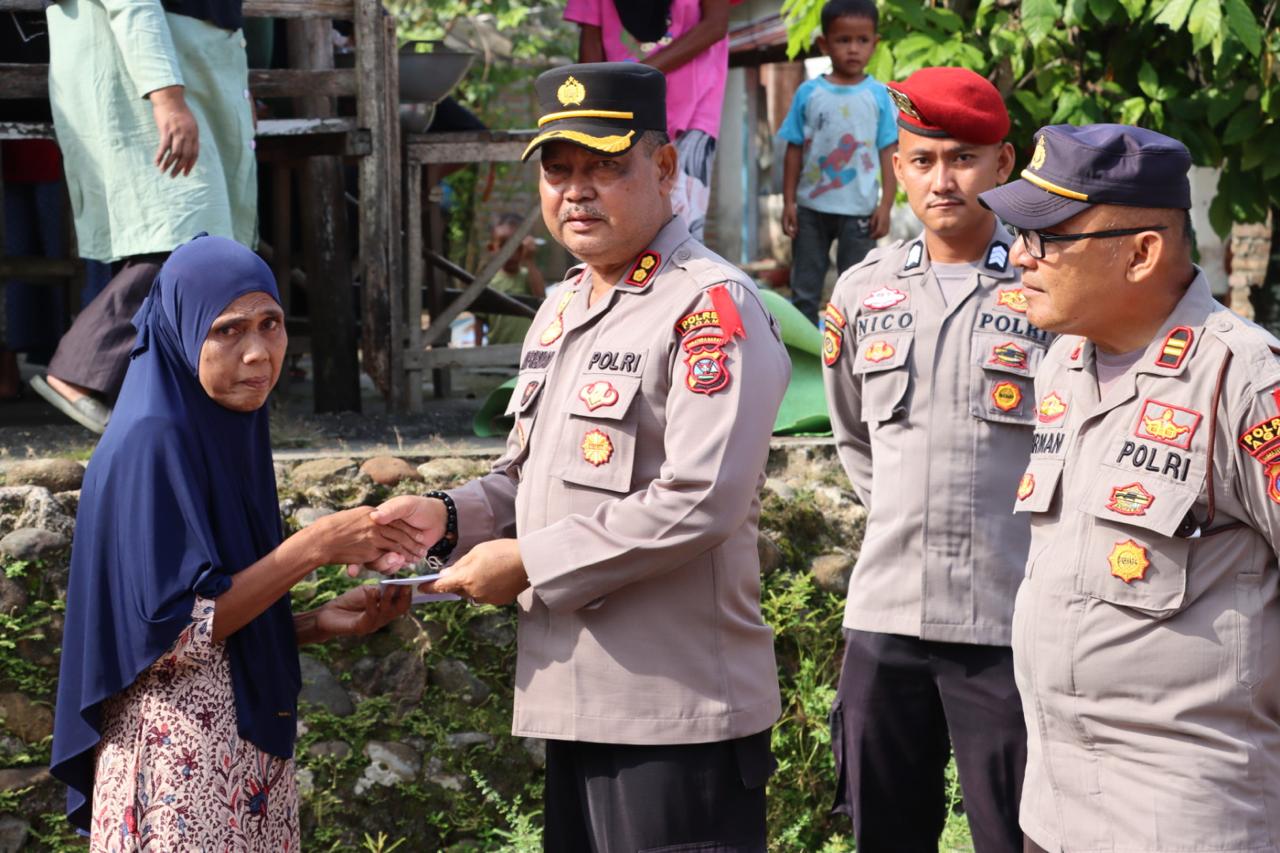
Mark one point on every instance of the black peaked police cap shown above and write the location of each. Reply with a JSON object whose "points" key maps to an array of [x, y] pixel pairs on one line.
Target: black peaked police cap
{"points": [[1074, 168], [603, 106]]}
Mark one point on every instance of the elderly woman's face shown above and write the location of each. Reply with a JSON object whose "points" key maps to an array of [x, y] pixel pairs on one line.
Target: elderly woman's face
{"points": [[241, 358]]}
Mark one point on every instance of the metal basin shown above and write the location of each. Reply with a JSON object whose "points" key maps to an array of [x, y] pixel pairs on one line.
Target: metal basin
{"points": [[428, 77]]}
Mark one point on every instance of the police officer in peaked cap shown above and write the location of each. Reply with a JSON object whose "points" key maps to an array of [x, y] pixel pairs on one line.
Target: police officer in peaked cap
{"points": [[622, 520], [1147, 626], [930, 360]]}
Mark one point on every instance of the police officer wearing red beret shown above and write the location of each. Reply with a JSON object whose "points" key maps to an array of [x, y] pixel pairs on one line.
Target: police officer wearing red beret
{"points": [[930, 361]]}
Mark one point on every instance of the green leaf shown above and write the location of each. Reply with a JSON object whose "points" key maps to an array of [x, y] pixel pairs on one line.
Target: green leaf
{"points": [[1174, 15], [1242, 125], [1131, 110], [1205, 23], [1104, 10], [944, 18], [1220, 212], [1244, 25], [1068, 102], [880, 66], [1038, 18], [1224, 104], [1149, 83], [1073, 12], [1134, 8]]}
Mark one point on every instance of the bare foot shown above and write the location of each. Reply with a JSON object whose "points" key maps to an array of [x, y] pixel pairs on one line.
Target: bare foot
{"points": [[66, 389]]}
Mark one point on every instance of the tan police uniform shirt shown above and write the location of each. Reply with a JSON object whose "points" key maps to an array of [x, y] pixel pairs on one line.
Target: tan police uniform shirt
{"points": [[632, 481], [932, 406], [1147, 628]]}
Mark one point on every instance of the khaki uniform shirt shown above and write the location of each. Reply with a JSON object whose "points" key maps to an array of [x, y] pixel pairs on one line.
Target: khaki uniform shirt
{"points": [[932, 406], [632, 480], [1146, 630]]}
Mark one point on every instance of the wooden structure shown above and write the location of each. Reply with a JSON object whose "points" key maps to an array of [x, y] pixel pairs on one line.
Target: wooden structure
{"points": [[313, 145], [426, 349]]}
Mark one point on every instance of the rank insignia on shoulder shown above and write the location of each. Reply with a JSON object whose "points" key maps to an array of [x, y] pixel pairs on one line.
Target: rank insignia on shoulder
{"points": [[832, 314], [1128, 561], [598, 395], [1076, 350], [1051, 408], [1167, 424], [1008, 354], [1013, 298], [998, 257], [597, 447], [1026, 486], [915, 255], [885, 297], [1131, 499], [879, 351], [643, 269], [832, 343], [1175, 347], [1006, 396]]}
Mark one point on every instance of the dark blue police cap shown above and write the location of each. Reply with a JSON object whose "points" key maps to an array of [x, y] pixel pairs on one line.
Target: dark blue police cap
{"points": [[603, 106], [1074, 168]]}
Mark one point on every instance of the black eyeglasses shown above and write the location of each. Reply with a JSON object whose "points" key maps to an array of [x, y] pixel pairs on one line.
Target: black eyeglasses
{"points": [[1035, 240]]}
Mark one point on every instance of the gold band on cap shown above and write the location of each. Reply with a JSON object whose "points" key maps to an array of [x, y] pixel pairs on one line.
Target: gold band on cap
{"points": [[585, 114], [603, 144], [1050, 187]]}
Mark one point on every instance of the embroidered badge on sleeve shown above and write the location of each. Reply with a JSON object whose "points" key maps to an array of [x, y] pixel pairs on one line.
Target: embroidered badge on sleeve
{"points": [[706, 333], [1262, 442]]}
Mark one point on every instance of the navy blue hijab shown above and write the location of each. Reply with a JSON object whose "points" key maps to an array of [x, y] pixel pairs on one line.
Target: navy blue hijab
{"points": [[179, 496]]}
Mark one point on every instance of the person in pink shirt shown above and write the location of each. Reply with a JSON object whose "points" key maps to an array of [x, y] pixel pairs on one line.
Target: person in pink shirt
{"points": [[687, 41]]}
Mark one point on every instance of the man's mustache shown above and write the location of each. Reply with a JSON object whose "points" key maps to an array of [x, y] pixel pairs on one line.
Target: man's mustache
{"points": [[582, 210]]}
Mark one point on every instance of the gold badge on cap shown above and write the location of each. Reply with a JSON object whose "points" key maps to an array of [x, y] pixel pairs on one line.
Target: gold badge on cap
{"points": [[1037, 156], [571, 92], [904, 103]]}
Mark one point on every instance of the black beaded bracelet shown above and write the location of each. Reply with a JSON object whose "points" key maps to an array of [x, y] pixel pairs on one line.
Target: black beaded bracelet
{"points": [[445, 546]]}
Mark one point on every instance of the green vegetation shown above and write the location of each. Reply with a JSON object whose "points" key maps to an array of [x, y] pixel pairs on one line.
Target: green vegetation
{"points": [[1203, 71]]}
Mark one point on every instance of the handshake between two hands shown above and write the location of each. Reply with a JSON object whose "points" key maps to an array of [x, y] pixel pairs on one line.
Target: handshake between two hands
{"points": [[398, 534]]}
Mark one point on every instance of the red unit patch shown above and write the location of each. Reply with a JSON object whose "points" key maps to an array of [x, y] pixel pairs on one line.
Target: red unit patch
{"points": [[708, 372], [1167, 424], [832, 343]]}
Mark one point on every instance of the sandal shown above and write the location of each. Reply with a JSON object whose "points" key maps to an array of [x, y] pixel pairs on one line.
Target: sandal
{"points": [[89, 412]]}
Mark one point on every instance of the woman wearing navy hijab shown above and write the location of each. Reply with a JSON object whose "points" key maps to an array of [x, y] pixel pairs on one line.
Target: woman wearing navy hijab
{"points": [[177, 698]]}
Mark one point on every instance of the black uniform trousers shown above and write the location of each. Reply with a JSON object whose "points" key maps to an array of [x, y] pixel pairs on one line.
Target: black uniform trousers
{"points": [[94, 353], [902, 706], [615, 798]]}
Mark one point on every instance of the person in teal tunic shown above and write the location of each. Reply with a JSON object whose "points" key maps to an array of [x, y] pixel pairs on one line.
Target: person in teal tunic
{"points": [[152, 111]]}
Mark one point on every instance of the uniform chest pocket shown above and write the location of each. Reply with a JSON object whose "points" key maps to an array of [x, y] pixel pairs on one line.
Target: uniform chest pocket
{"points": [[524, 396], [1136, 554], [597, 447], [1038, 485], [1001, 377], [881, 360]]}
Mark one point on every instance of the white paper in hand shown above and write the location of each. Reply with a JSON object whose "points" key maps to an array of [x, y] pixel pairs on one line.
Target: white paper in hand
{"points": [[421, 597]]}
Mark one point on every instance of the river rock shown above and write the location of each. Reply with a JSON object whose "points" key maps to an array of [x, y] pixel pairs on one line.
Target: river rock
{"points": [[536, 748], [13, 834], [831, 572], [389, 470], [779, 488], [320, 687], [770, 554], [309, 515], [14, 778], [32, 543], [450, 471], [13, 595], [462, 740], [434, 774], [56, 475], [390, 763], [33, 506], [454, 676], [338, 749], [322, 472], [495, 629], [400, 676], [25, 718]]}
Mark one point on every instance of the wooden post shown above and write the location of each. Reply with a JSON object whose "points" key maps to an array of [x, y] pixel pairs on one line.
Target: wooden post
{"points": [[375, 226], [323, 210], [399, 397]]}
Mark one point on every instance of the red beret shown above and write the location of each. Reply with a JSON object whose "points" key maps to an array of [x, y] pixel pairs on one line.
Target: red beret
{"points": [[951, 102]]}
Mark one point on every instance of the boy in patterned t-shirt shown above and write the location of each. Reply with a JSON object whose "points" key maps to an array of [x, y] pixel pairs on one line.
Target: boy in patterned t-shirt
{"points": [[840, 136]]}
